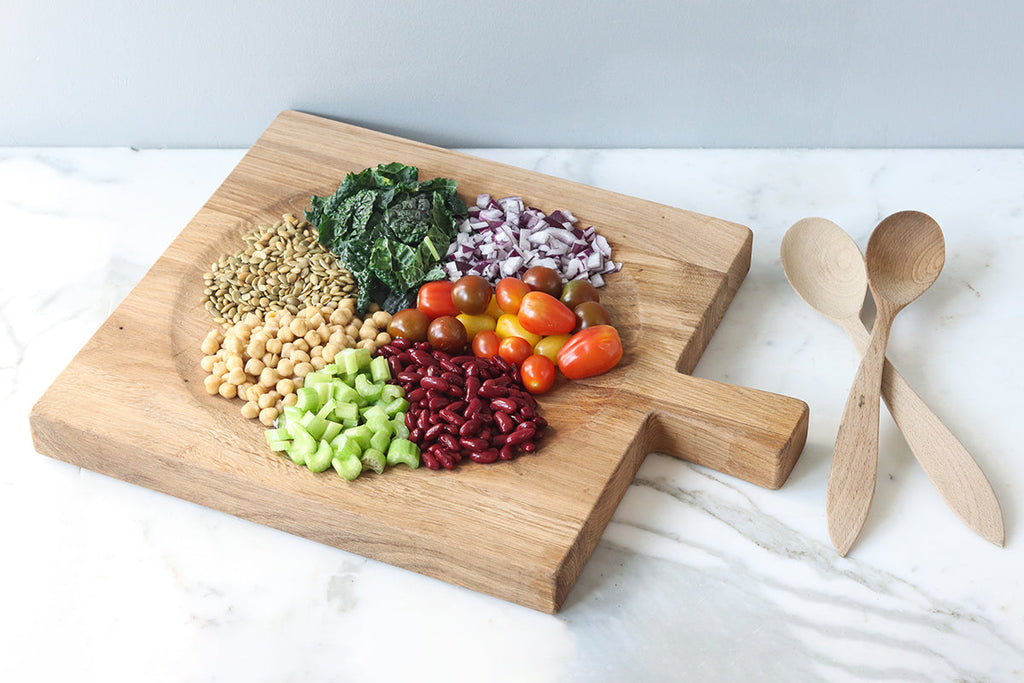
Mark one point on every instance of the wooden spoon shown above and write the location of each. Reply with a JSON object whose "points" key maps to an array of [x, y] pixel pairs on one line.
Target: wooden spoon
{"points": [[825, 267], [904, 257]]}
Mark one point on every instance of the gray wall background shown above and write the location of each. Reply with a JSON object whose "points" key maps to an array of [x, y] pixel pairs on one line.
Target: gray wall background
{"points": [[495, 73]]}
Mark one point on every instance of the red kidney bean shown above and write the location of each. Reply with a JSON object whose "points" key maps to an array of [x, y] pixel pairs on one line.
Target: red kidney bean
{"points": [[416, 395], [421, 357], [429, 460], [506, 404], [433, 431], [434, 383], [451, 417], [400, 343], [474, 443], [448, 441], [507, 452], [463, 360], [416, 435], [521, 434], [528, 447], [410, 419], [394, 365], [502, 364], [432, 371], [504, 422], [474, 407], [408, 376], [471, 387], [453, 378], [438, 402], [470, 427], [493, 391], [527, 412], [445, 458], [423, 419], [433, 418], [448, 365], [540, 422], [486, 457]]}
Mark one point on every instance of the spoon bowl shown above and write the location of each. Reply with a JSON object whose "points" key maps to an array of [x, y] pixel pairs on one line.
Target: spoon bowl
{"points": [[825, 267], [904, 257]]}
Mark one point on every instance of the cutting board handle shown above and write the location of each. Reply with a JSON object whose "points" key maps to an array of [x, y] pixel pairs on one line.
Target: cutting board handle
{"points": [[754, 435]]}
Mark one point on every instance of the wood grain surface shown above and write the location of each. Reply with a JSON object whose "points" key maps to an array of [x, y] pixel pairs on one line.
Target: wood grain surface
{"points": [[521, 530]]}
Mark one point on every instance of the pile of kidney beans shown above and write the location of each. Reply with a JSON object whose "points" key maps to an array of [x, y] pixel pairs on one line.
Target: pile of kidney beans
{"points": [[463, 406]]}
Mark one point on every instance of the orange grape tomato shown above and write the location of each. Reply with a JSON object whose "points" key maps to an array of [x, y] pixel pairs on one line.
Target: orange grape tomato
{"points": [[435, 299], [486, 343], [550, 346], [590, 352], [538, 374], [508, 326], [543, 314], [510, 292], [476, 323], [515, 350]]}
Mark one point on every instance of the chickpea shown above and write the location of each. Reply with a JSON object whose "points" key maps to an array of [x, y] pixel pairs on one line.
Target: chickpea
{"points": [[299, 357], [342, 316], [227, 390], [234, 344], [234, 362], [254, 366], [267, 416], [275, 346], [324, 333], [237, 377], [243, 389], [330, 350], [250, 410], [383, 339], [382, 319], [290, 399], [316, 320], [337, 336], [269, 377], [212, 383], [299, 327], [256, 348], [312, 338], [373, 308], [367, 332], [220, 368], [268, 399], [286, 350], [319, 363], [285, 366], [352, 329], [207, 363], [302, 369], [285, 334], [285, 387], [255, 391], [209, 346], [317, 352], [300, 345]]}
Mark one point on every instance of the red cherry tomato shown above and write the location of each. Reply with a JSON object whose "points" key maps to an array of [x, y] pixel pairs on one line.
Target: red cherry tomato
{"points": [[543, 314], [510, 292], [435, 299], [538, 374], [515, 350], [486, 343], [590, 352]]}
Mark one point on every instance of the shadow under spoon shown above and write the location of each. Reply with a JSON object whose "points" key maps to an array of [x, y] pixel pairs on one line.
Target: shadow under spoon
{"points": [[826, 269]]}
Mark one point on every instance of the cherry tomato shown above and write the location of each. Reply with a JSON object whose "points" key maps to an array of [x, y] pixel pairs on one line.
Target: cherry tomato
{"points": [[510, 292], [493, 309], [576, 292], [447, 333], [590, 352], [544, 279], [538, 374], [409, 323], [551, 345], [486, 343], [471, 294], [508, 326], [435, 299], [590, 313], [543, 314], [515, 350], [475, 324]]}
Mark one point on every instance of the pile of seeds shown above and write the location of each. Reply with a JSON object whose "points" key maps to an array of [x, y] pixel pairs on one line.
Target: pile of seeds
{"points": [[264, 360], [283, 268]]}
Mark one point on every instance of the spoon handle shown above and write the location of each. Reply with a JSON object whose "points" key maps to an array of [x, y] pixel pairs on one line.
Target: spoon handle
{"points": [[851, 479], [949, 466]]}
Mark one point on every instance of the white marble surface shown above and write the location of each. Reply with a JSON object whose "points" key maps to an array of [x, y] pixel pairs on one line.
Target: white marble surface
{"points": [[698, 577]]}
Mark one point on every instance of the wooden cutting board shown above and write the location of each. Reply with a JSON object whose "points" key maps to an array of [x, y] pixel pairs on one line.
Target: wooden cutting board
{"points": [[132, 405]]}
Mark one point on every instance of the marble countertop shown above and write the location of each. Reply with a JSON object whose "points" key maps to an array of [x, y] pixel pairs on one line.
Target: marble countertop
{"points": [[699, 576]]}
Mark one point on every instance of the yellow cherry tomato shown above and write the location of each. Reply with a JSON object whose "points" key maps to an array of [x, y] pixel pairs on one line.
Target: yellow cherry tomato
{"points": [[508, 326], [493, 309], [550, 345], [475, 323]]}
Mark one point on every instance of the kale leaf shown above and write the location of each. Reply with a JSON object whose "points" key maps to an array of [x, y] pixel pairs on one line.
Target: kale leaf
{"points": [[389, 229]]}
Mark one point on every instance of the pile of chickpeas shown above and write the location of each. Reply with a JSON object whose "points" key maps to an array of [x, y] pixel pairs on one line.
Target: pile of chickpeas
{"points": [[264, 358]]}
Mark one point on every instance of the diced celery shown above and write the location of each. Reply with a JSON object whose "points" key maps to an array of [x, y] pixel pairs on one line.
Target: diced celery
{"points": [[349, 468], [374, 412], [331, 369], [350, 422], [403, 451], [363, 357], [327, 409], [347, 361], [380, 425], [379, 369], [308, 399], [373, 459], [314, 424], [346, 411], [343, 393], [398, 426], [321, 459], [323, 392], [303, 446], [380, 440], [277, 439], [346, 446], [395, 406], [332, 430], [391, 391], [367, 389], [361, 433], [316, 377]]}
